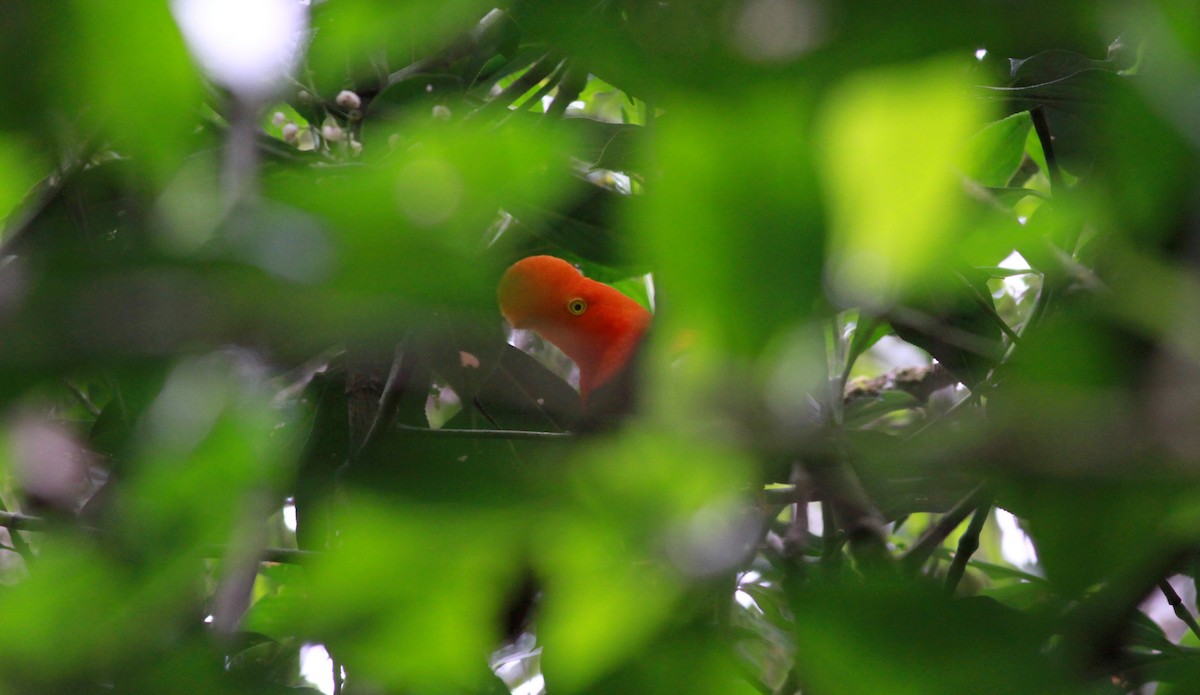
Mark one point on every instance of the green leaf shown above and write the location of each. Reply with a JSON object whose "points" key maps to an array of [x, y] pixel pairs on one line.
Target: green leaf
{"points": [[1052, 65], [879, 632], [738, 246], [889, 231], [393, 583], [994, 153], [1074, 106], [868, 332]]}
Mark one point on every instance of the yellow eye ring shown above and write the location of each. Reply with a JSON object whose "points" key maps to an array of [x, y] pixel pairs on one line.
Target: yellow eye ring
{"points": [[577, 306]]}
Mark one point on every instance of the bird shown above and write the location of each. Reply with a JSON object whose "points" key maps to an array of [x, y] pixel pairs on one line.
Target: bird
{"points": [[594, 324]]}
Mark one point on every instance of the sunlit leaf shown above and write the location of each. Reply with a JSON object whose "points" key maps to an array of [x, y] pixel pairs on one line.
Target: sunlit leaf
{"points": [[888, 228]]}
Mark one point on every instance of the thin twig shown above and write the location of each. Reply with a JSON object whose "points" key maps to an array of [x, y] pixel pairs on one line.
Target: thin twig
{"points": [[1181, 610], [16, 521], [455, 433], [831, 542], [849, 503], [389, 400], [520, 86], [932, 539], [234, 591], [1042, 127], [795, 538], [19, 545], [836, 371], [569, 87], [967, 545], [80, 396]]}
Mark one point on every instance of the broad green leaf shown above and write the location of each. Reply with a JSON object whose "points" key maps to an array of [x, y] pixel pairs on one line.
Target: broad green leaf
{"points": [[867, 332], [733, 228], [361, 38], [888, 139], [141, 90], [645, 512], [411, 226], [993, 154], [406, 612], [879, 632]]}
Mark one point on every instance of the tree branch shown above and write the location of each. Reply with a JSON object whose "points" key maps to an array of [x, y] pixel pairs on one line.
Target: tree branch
{"points": [[920, 552], [967, 545], [849, 504], [454, 433], [1181, 610]]}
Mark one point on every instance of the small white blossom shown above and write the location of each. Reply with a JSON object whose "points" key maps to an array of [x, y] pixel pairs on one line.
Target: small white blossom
{"points": [[332, 133], [348, 100]]}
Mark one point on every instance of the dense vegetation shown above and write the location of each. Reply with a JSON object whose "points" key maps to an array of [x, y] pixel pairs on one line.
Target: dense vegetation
{"points": [[259, 404]]}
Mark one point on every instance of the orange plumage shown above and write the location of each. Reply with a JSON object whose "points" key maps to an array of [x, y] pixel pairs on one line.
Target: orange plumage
{"points": [[595, 325]]}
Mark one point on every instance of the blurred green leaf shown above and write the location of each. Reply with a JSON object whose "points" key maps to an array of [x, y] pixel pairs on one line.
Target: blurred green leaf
{"points": [[654, 511], [142, 90], [207, 369], [734, 228], [867, 332], [360, 39], [994, 153], [425, 211], [405, 611], [880, 632], [889, 230]]}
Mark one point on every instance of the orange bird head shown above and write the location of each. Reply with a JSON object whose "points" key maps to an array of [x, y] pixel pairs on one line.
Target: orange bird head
{"points": [[595, 325]]}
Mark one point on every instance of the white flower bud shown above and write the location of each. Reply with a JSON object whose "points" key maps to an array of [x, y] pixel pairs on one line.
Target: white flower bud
{"points": [[348, 100], [291, 133], [355, 147], [332, 133], [277, 119], [441, 113]]}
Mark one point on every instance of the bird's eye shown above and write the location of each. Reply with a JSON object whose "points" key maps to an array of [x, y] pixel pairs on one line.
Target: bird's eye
{"points": [[577, 306]]}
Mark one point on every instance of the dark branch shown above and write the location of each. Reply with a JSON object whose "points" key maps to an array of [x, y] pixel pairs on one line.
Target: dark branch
{"points": [[915, 557], [1181, 610]]}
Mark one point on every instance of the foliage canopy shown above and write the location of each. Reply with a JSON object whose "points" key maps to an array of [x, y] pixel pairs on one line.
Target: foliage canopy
{"points": [[259, 402]]}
